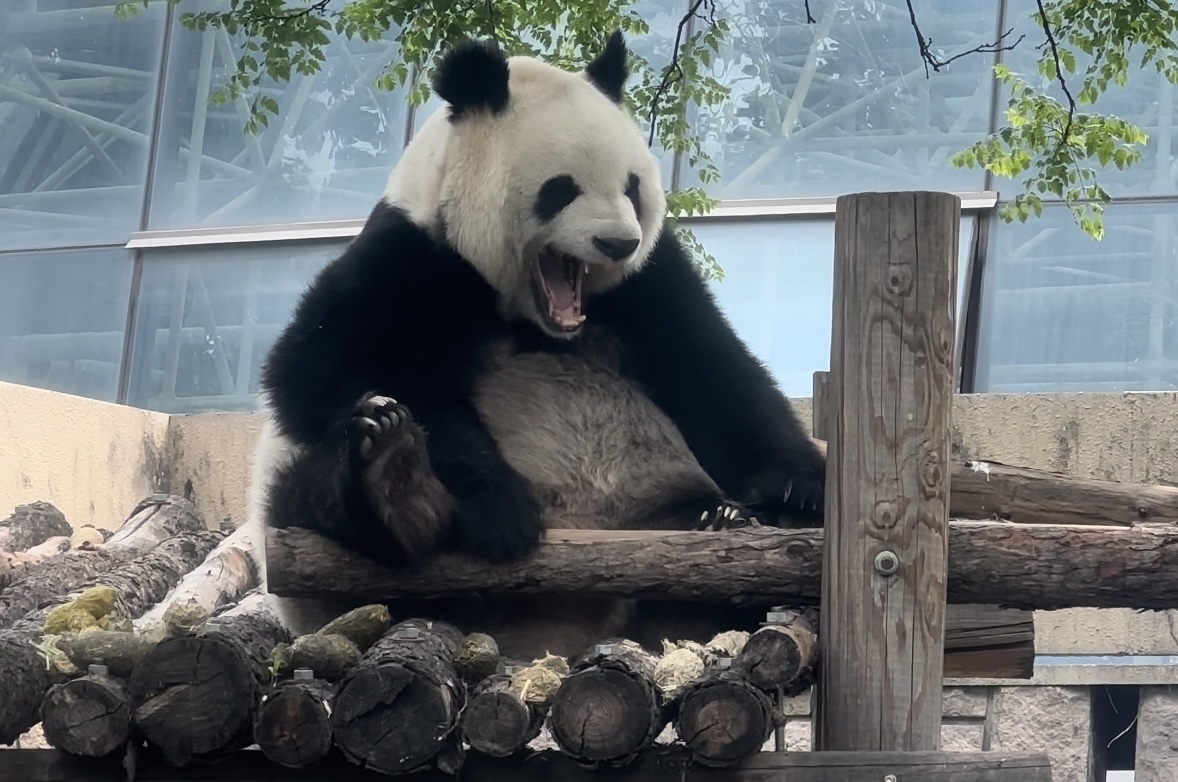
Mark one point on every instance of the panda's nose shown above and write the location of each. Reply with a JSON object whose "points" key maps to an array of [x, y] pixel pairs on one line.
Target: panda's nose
{"points": [[613, 247]]}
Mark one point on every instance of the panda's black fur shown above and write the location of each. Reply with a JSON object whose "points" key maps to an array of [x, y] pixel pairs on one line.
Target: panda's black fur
{"points": [[379, 385]]}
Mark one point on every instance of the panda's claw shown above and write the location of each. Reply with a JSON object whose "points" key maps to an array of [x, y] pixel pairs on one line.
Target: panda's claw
{"points": [[727, 515], [376, 423]]}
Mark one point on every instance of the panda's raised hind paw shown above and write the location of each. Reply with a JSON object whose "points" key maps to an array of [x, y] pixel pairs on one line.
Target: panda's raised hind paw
{"points": [[726, 515], [377, 424]]}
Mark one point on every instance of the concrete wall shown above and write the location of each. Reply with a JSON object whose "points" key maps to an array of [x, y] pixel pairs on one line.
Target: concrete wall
{"points": [[96, 460]]}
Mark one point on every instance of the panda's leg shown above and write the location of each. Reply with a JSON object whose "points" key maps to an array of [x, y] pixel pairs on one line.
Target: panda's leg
{"points": [[371, 487]]}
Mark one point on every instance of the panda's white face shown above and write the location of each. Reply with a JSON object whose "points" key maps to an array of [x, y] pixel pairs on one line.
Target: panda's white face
{"points": [[546, 186]]}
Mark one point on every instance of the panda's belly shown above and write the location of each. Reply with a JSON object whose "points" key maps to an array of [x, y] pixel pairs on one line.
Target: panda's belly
{"points": [[599, 453]]}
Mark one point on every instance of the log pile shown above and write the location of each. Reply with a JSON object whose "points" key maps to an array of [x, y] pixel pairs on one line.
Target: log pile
{"points": [[155, 639]]}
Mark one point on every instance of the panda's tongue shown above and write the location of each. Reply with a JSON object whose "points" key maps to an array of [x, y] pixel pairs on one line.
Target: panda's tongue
{"points": [[561, 277]]}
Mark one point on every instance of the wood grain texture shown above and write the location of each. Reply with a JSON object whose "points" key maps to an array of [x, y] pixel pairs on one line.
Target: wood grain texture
{"points": [[88, 716], [658, 765], [887, 491], [1027, 566]]}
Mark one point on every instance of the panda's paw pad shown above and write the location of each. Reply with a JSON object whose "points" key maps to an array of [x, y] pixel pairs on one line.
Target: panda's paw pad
{"points": [[376, 424], [726, 515]]}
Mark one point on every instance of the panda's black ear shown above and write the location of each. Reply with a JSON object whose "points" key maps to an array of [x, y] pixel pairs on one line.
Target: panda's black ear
{"points": [[608, 71], [472, 76]]}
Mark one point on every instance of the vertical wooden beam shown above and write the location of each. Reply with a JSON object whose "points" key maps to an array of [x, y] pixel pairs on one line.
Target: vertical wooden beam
{"points": [[820, 406], [887, 497]]}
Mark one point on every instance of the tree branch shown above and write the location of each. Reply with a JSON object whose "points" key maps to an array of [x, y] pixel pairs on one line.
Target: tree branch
{"points": [[931, 60], [674, 71], [1067, 129]]}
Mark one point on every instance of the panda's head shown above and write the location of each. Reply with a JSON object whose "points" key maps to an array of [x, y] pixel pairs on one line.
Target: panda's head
{"points": [[538, 176]]}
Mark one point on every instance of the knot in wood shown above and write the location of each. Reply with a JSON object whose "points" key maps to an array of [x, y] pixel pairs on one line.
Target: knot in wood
{"points": [[885, 513], [899, 279]]}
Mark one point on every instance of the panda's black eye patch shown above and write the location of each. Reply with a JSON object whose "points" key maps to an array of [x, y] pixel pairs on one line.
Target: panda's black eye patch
{"points": [[555, 195], [632, 184]]}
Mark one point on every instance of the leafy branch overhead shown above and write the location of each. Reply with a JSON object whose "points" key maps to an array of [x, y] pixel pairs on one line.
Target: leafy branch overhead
{"points": [[679, 93]]}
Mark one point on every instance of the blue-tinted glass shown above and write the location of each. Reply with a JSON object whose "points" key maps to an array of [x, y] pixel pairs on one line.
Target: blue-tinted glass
{"points": [[63, 316], [843, 104], [206, 317], [1062, 312], [326, 155], [1146, 100], [778, 290], [77, 91]]}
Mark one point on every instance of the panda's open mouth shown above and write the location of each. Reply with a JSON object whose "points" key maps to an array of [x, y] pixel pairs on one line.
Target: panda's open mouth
{"points": [[560, 282]]}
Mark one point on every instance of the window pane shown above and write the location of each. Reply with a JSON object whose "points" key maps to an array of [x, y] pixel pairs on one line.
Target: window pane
{"points": [[778, 290], [77, 89], [843, 104], [1061, 312], [206, 317], [63, 315], [1146, 100], [325, 156]]}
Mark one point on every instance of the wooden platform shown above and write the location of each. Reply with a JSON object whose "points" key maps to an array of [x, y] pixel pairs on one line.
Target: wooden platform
{"points": [[663, 765]]}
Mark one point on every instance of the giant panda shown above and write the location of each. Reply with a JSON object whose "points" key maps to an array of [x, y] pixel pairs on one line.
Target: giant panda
{"points": [[516, 340]]}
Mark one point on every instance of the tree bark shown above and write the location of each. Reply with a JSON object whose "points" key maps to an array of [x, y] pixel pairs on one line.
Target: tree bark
{"points": [[32, 524], [194, 696], [781, 655], [226, 574], [724, 718], [138, 584], [153, 521], [293, 722], [15, 565], [87, 716], [609, 709], [1033, 567], [497, 721], [398, 709]]}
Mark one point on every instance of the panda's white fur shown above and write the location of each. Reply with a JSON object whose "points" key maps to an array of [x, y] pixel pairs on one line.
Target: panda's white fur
{"points": [[580, 424]]}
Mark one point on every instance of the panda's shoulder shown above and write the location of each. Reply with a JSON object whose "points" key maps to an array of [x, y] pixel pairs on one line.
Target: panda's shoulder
{"points": [[395, 265]]}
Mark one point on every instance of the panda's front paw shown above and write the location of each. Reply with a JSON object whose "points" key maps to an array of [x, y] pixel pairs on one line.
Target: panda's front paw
{"points": [[378, 424], [501, 523], [726, 515], [797, 495]]}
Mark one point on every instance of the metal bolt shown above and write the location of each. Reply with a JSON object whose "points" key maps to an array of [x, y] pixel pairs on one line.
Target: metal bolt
{"points": [[886, 563], [96, 669], [776, 617], [723, 662], [407, 634], [304, 673], [605, 650], [890, 778], [510, 669]]}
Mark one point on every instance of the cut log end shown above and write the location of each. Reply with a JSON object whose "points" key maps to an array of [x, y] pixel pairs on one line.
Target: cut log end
{"points": [[88, 716], [723, 722], [497, 721], [780, 655], [398, 708], [293, 723]]}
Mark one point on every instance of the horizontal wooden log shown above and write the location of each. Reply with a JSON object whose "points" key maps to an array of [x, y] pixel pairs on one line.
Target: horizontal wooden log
{"points": [[227, 573], [659, 765], [138, 584], [154, 520], [15, 565], [1029, 566], [32, 524]]}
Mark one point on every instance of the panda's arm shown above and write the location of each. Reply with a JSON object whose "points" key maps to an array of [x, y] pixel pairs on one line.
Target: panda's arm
{"points": [[682, 350], [395, 316]]}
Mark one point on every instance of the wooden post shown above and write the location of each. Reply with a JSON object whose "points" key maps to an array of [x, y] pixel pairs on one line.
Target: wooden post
{"points": [[887, 498], [820, 406]]}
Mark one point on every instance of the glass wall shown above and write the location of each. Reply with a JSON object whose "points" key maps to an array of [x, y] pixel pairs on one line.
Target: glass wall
{"points": [[150, 250]]}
